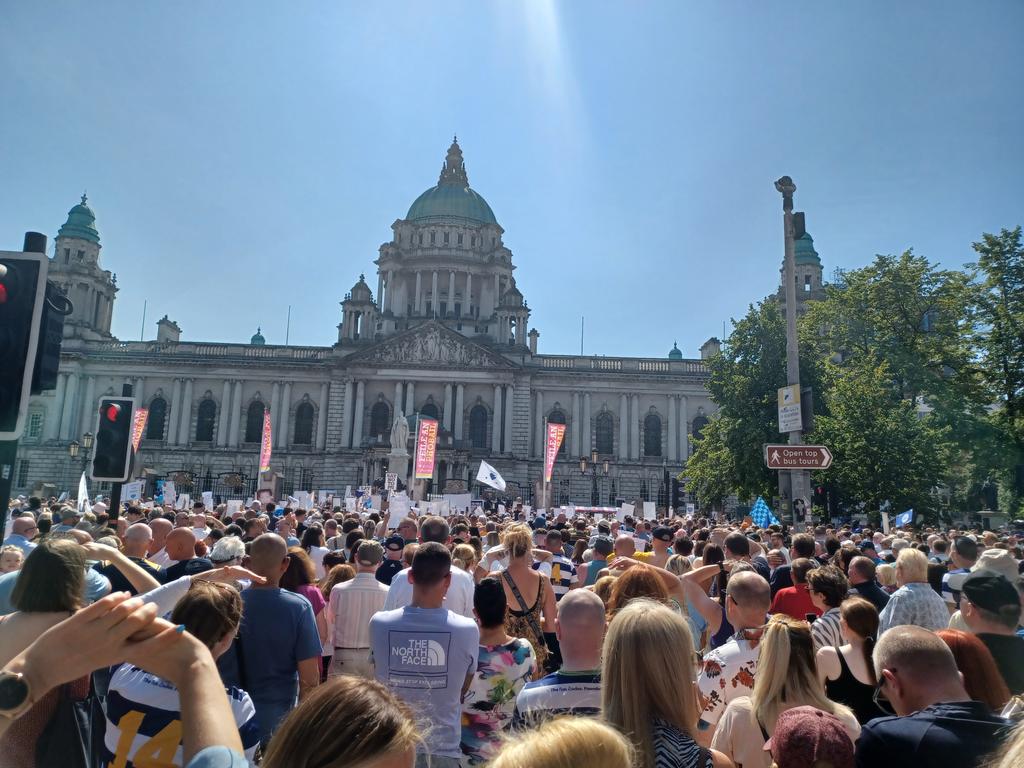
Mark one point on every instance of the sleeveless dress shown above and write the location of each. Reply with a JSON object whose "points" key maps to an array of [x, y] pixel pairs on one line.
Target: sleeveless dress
{"points": [[525, 622], [674, 748], [847, 689]]}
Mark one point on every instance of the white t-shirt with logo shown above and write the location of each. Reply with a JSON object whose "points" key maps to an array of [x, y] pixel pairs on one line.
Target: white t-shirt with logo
{"points": [[424, 656]]}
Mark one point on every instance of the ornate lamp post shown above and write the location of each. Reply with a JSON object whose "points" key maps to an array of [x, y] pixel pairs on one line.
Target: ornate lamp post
{"points": [[594, 463], [76, 449]]}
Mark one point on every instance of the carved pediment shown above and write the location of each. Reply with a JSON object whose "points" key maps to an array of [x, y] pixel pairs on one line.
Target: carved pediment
{"points": [[430, 345]]}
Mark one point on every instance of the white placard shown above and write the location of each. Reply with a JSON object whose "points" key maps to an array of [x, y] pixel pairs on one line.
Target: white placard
{"points": [[234, 505], [391, 481], [398, 506], [132, 491], [375, 503], [641, 544], [169, 495], [691, 508], [304, 499], [208, 499], [624, 511], [350, 504], [460, 502], [649, 513], [184, 501]]}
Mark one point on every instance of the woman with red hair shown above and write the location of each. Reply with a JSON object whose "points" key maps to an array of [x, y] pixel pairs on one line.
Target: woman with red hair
{"points": [[981, 675]]}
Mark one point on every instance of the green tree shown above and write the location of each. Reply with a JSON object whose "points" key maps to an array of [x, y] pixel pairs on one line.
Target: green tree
{"points": [[884, 449]]}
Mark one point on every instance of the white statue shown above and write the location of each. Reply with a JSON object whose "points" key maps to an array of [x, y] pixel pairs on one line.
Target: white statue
{"points": [[399, 433]]}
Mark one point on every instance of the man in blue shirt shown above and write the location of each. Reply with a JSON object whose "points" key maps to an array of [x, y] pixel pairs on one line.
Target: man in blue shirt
{"points": [[22, 531], [276, 657]]}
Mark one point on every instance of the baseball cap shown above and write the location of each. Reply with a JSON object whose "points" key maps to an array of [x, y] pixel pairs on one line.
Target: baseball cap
{"points": [[999, 561], [603, 545], [866, 545], [662, 533], [394, 543], [805, 735], [369, 552], [989, 590]]}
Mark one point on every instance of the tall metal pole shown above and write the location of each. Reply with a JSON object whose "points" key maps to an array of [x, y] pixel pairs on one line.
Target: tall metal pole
{"points": [[800, 482]]}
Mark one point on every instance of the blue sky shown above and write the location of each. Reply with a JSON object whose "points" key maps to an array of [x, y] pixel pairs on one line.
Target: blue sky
{"points": [[242, 157]]}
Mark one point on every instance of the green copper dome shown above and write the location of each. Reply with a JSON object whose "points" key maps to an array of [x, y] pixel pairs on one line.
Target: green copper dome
{"points": [[452, 197], [804, 251], [81, 223], [257, 338], [675, 353]]}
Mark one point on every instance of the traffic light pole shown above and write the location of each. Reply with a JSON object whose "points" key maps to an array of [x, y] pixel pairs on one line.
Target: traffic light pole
{"points": [[115, 488], [799, 479], [8, 451]]}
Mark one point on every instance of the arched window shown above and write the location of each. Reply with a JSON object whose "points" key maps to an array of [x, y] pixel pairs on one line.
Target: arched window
{"points": [[157, 419], [205, 417], [254, 422], [604, 429], [558, 417], [304, 424], [380, 420], [698, 427], [430, 411], [478, 426], [652, 435]]}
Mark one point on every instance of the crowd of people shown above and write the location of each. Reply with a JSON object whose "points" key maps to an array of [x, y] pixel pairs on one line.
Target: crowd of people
{"points": [[291, 637]]}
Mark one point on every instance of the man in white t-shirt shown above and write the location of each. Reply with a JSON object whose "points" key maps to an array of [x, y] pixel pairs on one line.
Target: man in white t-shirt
{"points": [[459, 596]]}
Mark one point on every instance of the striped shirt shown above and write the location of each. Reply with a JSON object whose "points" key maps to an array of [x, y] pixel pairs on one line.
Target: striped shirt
{"points": [[560, 693], [563, 574], [144, 720], [674, 748], [825, 630]]}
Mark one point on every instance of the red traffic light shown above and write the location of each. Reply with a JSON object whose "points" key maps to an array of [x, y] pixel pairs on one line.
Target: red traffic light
{"points": [[111, 412]]}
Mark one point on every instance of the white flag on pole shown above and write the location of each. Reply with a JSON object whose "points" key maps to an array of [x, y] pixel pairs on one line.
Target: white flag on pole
{"points": [[83, 495], [488, 475]]}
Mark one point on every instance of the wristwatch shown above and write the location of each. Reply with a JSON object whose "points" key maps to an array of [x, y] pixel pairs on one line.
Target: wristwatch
{"points": [[15, 695]]}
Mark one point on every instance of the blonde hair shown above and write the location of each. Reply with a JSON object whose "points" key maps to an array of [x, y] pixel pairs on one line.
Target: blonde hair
{"points": [[886, 574], [912, 565], [603, 588], [786, 672], [1011, 755], [367, 722], [518, 540], [639, 674], [679, 564], [566, 741], [463, 555]]}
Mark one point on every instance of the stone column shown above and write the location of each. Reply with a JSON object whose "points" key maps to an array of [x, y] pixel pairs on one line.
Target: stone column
{"points": [[634, 427], [410, 398], [460, 394], [574, 427], [357, 425], [236, 415], [139, 390], [397, 404], [390, 288], [418, 301], [587, 441], [67, 425], [684, 437], [321, 416], [172, 424], [673, 423], [497, 291], [433, 296], [284, 422], [469, 294], [380, 289], [623, 428], [451, 293], [88, 417], [275, 409], [538, 420], [186, 413], [224, 415], [53, 417], [510, 392], [346, 421], [496, 421], [446, 411]]}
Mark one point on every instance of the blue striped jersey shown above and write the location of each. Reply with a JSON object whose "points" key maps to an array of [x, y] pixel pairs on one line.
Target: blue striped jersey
{"points": [[562, 573], [144, 721], [560, 693]]}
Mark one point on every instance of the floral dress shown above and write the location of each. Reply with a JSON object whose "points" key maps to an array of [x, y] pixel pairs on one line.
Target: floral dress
{"points": [[501, 672]]}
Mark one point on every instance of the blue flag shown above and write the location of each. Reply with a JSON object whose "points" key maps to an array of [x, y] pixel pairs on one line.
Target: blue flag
{"points": [[904, 518], [762, 515]]}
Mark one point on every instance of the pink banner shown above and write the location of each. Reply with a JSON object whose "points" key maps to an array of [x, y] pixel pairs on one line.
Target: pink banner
{"points": [[426, 445], [138, 426], [267, 442], [556, 432]]}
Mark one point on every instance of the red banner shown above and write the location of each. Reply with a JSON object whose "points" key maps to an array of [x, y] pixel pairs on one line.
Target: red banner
{"points": [[556, 432], [267, 442], [426, 445], [139, 426]]}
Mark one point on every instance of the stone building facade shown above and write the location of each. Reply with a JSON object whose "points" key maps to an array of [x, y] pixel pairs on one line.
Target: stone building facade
{"points": [[445, 335]]}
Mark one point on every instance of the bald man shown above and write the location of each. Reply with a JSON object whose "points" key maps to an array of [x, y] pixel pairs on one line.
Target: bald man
{"points": [[160, 527], [181, 547], [23, 530], [279, 661], [136, 544]]}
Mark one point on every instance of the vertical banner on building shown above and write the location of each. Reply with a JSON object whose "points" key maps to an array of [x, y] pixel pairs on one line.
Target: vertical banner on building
{"points": [[265, 448], [556, 433], [139, 426], [426, 445]]}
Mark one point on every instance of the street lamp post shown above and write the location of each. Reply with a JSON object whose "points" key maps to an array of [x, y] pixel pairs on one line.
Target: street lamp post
{"points": [[594, 463], [799, 479], [76, 449]]}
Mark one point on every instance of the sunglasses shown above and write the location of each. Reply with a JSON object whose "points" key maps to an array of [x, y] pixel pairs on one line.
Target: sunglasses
{"points": [[880, 699]]}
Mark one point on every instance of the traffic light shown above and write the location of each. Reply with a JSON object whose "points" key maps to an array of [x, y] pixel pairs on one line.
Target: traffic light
{"points": [[22, 289], [678, 494], [113, 446], [51, 333]]}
